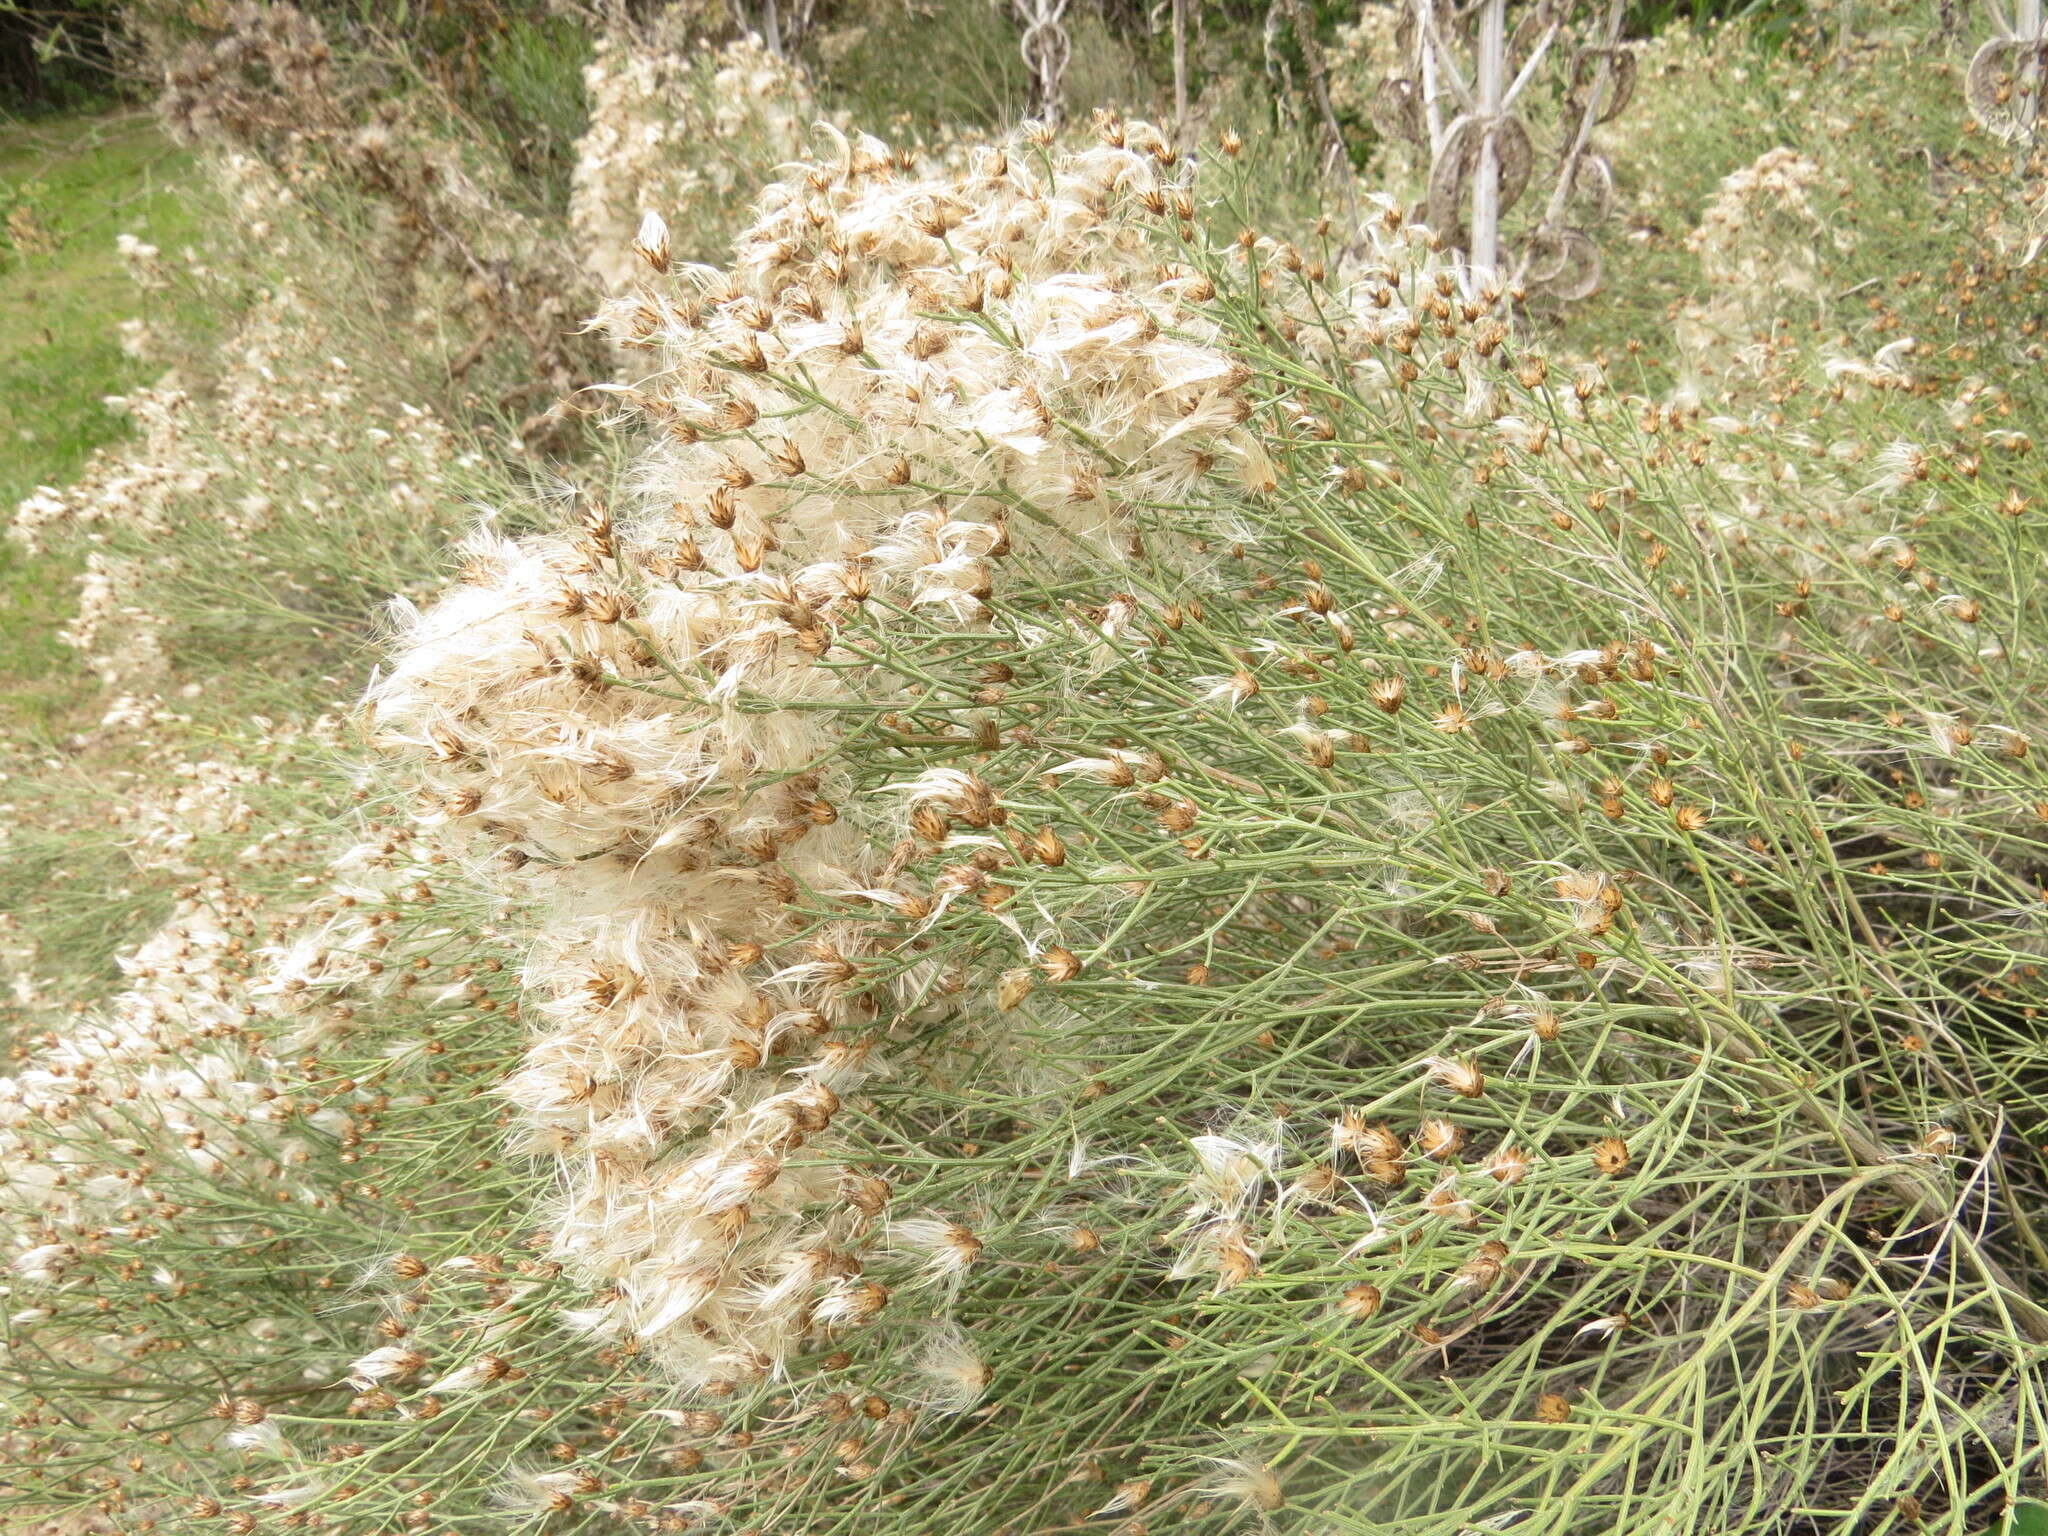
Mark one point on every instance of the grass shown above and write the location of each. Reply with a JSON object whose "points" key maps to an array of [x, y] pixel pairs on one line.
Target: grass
{"points": [[73, 184], [77, 183]]}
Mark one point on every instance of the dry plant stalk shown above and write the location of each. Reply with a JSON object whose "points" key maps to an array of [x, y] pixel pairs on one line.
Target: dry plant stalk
{"points": [[2007, 74], [1458, 104], [1047, 50]]}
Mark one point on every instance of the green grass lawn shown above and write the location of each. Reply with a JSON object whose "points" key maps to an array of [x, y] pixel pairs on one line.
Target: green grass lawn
{"points": [[71, 185]]}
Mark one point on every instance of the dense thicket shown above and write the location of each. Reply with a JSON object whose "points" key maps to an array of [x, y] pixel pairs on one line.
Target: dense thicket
{"points": [[1001, 828]]}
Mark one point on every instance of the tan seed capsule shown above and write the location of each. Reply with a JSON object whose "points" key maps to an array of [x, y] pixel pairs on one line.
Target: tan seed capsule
{"points": [[1439, 1139], [1014, 988], [1508, 1165], [1360, 1302], [1459, 1074], [1059, 964]]}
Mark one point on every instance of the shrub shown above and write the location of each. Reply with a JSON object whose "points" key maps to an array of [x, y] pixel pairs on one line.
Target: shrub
{"points": [[1299, 965], [1128, 877]]}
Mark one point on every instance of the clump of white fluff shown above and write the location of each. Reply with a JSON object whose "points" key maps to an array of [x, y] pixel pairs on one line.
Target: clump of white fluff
{"points": [[679, 129], [289, 448], [168, 1078], [898, 384], [1758, 241]]}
